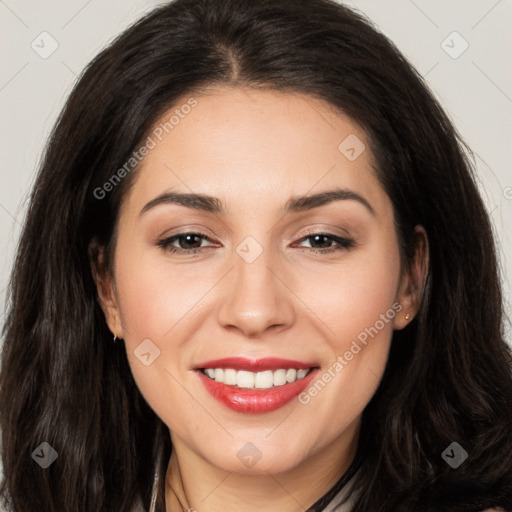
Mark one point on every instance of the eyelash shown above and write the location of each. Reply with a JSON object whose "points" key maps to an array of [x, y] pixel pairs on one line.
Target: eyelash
{"points": [[343, 243]]}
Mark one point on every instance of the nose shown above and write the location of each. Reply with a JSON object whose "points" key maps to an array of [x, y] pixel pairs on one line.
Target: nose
{"points": [[257, 297]]}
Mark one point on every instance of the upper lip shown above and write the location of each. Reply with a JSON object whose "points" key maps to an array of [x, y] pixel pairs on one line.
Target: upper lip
{"points": [[251, 365]]}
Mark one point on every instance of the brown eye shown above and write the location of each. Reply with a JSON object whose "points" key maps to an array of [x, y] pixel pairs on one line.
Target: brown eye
{"points": [[326, 240], [187, 242]]}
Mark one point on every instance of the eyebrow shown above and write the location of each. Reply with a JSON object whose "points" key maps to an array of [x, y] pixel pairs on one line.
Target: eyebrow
{"points": [[210, 204]]}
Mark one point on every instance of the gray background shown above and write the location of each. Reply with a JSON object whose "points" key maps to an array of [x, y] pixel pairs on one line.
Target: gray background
{"points": [[474, 86]]}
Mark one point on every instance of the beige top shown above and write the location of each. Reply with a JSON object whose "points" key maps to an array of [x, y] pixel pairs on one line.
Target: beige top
{"points": [[335, 506]]}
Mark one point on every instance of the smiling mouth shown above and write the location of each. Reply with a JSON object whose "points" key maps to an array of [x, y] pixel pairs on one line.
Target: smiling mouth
{"points": [[255, 380], [255, 386]]}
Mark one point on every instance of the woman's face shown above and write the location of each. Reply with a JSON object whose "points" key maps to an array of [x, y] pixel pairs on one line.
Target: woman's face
{"points": [[270, 282]]}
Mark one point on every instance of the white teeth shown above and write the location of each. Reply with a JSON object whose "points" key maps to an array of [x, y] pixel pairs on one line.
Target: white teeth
{"points": [[300, 374], [243, 379], [264, 380], [229, 377], [291, 375], [279, 377], [255, 380]]}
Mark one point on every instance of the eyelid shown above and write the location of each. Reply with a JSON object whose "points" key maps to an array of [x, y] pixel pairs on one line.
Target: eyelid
{"points": [[192, 229], [324, 228]]}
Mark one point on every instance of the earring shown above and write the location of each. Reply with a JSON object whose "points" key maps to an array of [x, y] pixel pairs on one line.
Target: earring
{"points": [[407, 316], [115, 338]]}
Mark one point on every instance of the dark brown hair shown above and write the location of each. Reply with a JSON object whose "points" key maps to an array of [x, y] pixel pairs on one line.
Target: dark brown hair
{"points": [[63, 381]]}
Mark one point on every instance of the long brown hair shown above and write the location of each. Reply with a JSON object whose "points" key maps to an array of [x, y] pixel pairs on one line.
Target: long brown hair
{"points": [[64, 382]]}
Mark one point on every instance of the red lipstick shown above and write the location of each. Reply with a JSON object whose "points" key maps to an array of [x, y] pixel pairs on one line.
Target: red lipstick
{"points": [[253, 400]]}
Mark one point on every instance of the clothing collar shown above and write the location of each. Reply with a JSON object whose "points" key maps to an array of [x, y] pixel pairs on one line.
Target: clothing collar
{"points": [[337, 493]]}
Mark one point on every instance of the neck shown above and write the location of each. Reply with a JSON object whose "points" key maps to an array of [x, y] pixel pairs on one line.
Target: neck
{"points": [[192, 483]]}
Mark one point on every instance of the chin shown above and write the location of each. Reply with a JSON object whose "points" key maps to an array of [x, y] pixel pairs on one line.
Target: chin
{"points": [[257, 458]]}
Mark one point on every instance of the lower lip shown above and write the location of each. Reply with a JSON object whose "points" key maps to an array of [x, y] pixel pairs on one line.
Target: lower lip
{"points": [[255, 401]]}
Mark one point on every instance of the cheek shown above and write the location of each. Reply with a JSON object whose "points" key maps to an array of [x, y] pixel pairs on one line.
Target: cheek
{"points": [[359, 307], [157, 301], [351, 298], [153, 295]]}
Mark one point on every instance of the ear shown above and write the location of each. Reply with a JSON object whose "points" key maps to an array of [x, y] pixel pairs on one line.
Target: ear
{"points": [[105, 286], [412, 282]]}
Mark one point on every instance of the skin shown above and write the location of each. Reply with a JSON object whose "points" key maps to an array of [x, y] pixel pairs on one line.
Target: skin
{"points": [[255, 150]]}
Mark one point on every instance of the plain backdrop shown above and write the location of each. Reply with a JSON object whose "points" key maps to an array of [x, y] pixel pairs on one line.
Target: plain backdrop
{"points": [[462, 48]]}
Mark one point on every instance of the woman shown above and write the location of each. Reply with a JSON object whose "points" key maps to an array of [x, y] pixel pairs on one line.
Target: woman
{"points": [[256, 273]]}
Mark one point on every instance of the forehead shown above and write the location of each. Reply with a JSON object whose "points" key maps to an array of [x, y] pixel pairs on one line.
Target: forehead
{"points": [[271, 145]]}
